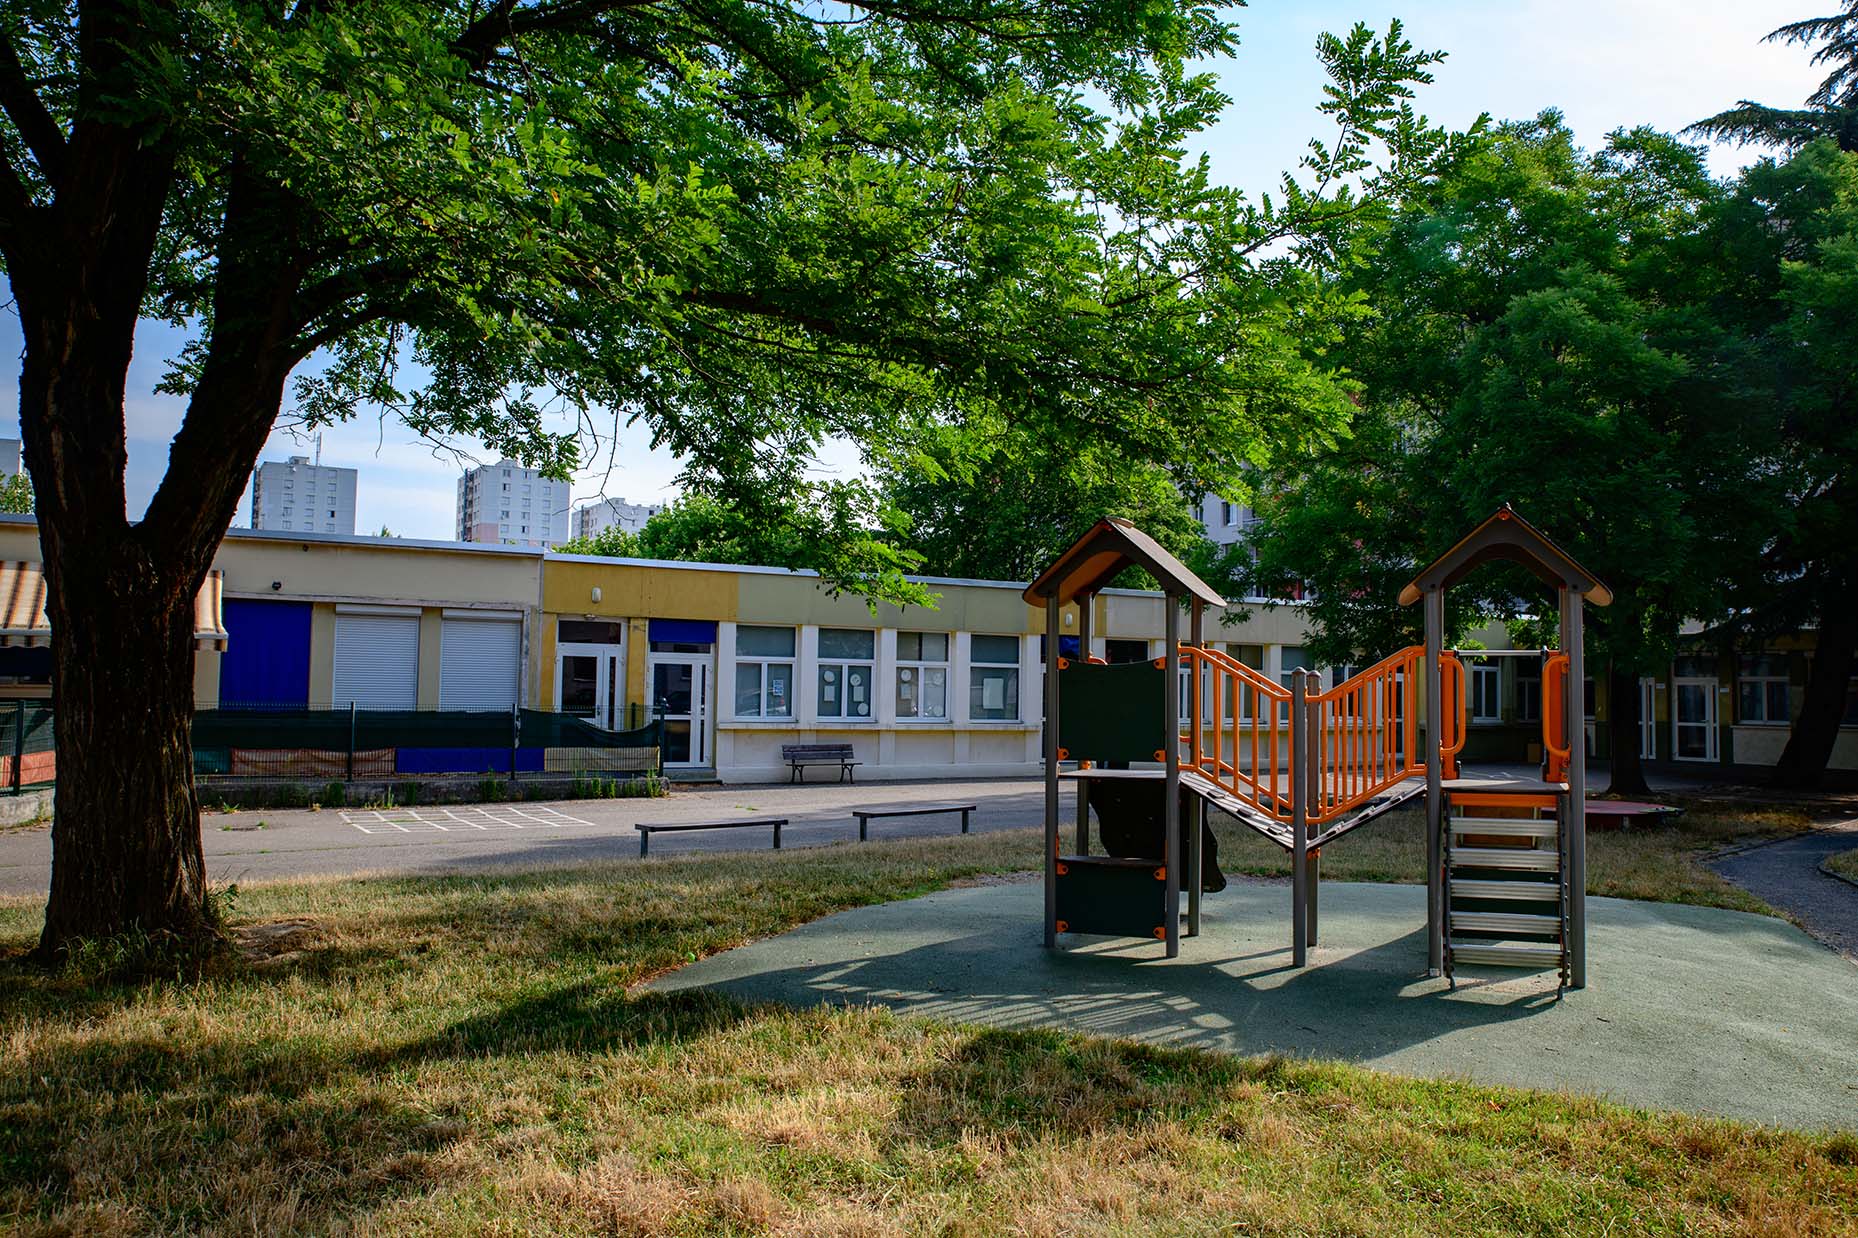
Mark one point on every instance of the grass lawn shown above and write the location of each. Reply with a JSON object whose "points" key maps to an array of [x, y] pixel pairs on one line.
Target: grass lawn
{"points": [[462, 1055], [1845, 864], [1663, 863]]}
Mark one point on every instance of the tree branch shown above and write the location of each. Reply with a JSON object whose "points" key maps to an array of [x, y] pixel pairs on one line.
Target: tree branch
{"points": [[27, 112]]}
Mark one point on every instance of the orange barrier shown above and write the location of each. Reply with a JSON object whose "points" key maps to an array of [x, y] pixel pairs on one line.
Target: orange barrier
{"points": [[1231, 698], [1367, 734], [1555, 738], [1365, 729]]}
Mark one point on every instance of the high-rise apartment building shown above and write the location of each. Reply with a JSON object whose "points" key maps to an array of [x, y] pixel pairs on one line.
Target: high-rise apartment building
{"points": [[509, 504], [298, 496], [595, 518]]}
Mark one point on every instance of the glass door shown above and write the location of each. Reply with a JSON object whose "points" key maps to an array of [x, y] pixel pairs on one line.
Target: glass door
{"points": [[1693, 719], [589, 683], [680, 695]]}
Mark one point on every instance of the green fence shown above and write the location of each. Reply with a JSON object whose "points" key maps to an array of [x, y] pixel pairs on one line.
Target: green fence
{"points": [[351, 743], [28, 753]]}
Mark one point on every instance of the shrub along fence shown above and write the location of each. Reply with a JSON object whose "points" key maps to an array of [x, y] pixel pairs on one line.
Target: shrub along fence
{"points": [[351, 743]]}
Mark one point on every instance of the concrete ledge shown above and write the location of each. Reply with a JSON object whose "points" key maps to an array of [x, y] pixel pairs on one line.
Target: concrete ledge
{"points": [[29, 805]]}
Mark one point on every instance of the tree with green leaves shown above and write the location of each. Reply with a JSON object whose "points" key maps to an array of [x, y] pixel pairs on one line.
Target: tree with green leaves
{"points": [[1786, 254], [1009, 513], [840, 533], [749, 226], [1831, 111], [1542, 337], [16, 494]]}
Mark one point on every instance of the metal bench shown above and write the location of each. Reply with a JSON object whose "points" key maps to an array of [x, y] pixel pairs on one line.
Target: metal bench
{"points": [[799, 756], [865, 815], [646, 831]]}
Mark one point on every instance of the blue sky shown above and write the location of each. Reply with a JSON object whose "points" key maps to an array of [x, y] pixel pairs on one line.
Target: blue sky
{"points": [[1604, 63]]}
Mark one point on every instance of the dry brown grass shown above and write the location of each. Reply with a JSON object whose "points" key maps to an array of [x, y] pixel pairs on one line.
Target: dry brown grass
{"points": [[1663, 862], [462, 1056]]}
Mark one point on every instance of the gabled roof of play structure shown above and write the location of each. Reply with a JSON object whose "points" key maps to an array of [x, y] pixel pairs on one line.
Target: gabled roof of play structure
{"points": [[1506, 535], [1098, 557]]}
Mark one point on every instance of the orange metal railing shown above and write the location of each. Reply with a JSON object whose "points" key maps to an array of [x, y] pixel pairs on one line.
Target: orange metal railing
{"points": [[1366, 731], [1238, 732], [1247, 717], [1555, 740]]}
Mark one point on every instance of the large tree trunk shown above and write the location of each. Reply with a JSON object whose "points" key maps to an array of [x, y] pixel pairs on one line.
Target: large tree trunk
{"points": [[1815, 731], [1622, 733], [126, 830]]}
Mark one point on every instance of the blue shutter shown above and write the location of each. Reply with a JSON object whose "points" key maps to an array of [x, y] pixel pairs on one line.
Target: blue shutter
{"points": [[267, 658]]}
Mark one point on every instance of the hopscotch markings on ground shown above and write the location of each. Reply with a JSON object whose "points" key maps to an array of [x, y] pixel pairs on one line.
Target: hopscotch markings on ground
{"points": [[453, 820]]}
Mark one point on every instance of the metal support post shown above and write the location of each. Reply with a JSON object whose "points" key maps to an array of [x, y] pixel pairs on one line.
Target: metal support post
{"points": [[1313, 789], [1052, 628], [1299, 820], [1572, 642], [351, 741], [1171, 778], [1435, 713], [516, 737]]}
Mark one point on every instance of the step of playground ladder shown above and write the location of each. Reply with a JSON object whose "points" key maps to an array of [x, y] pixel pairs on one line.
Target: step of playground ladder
{"points": [[1545, 891], [1507, 953], [1536, 860], [1504, 922], [1504, 827]]}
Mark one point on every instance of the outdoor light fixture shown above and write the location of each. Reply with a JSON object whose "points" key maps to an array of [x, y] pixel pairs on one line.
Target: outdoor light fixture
{"points": [[596, 593], [276, 585]]}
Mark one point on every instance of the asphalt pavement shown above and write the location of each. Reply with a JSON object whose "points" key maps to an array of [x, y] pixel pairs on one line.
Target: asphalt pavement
{"points": [[269, 844]]}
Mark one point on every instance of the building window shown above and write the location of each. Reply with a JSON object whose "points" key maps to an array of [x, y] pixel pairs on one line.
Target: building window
{"points": [[764, 672], [922, 674], [847, 665], [993, 679], [1486, 692], [1117, 652], [1529, 692], [1225, 513], [1761, 688], [1294, 659]]}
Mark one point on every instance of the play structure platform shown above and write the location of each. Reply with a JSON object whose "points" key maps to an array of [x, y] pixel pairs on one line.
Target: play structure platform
{"points": [[1303, 767]]}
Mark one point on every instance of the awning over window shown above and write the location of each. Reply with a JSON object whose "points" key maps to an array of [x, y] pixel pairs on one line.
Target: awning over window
{"points": [[22, 608]]}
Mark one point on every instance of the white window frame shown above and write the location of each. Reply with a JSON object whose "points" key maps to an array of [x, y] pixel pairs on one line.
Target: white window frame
{"points": [[1491, 673], [976, 668], [919, 667], [762, 662], [843, 668], [1766, 682]]}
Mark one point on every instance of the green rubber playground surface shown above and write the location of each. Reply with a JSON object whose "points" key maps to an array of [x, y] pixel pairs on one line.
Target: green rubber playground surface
{"points": [[1687, 1008]]}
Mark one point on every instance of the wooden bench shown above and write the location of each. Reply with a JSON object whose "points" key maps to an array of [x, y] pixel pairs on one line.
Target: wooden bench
{"points": [[799, 756], [865, 815], [646, 831]]}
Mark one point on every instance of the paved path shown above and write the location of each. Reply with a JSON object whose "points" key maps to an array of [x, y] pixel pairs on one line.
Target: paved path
{"points": [[1787, 875], [1688, 1008], [467, 838]]}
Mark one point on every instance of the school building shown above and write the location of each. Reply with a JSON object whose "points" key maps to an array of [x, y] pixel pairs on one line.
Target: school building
{"points": [[740, 661]]}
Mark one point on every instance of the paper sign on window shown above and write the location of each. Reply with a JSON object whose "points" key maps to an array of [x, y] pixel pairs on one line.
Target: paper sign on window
{"points": [[993, 693]]}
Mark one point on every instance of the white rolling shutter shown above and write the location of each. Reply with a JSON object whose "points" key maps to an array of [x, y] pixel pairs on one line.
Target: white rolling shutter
{"points": [[478, 660], [377, 661]]}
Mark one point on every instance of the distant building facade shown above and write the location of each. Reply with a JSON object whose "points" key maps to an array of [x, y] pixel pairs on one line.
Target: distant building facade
{"points": [[507, 504], [298, 496], [9, 457], [595, 518]]}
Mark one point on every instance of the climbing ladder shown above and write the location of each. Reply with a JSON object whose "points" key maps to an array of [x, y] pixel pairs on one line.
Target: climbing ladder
{"points": [[1506, 878]]}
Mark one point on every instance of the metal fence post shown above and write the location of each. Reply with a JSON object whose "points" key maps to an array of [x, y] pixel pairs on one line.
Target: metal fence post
{"points": [[516, 737], [19, 742], [1299, 772], [351, 741]]}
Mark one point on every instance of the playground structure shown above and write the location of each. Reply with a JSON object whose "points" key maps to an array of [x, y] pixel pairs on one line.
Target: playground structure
{"points": [[1303, 767]]}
